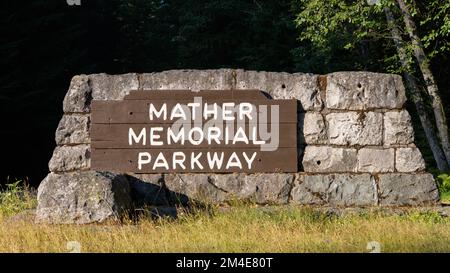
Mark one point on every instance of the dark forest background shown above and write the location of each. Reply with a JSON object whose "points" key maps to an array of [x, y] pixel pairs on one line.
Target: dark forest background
{"points": [[44, 43]]}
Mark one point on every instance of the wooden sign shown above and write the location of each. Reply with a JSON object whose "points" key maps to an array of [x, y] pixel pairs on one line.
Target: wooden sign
{"points": [[182, 131]]}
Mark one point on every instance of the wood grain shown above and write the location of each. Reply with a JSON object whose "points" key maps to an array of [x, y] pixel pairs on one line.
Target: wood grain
{"points": [[112, 120]]}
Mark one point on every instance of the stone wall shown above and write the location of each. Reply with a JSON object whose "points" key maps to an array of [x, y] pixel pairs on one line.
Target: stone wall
{"points": [[356, 147]]}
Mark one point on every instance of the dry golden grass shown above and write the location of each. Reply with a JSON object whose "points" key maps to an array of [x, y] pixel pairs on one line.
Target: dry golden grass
{"points": [[240, 228], [243, 228]]}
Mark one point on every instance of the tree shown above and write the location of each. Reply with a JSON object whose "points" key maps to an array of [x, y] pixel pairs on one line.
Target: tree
{"points": [[170, 34], [430, 82], [340, 35], [416, 97], [355, 26]]}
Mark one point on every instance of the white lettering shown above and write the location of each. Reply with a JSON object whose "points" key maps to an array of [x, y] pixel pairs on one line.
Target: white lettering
{"points": [[213, 134], [207, 112], [234, 161], [195, 161], [227, 114], [152, 111], [132, 136], [245, 109], [154, 137], [215, 160], [191, 136], [143, 158], [171, 136], [179, 161], [160, 162], [249, 160], [178, 112], [240, 136]]}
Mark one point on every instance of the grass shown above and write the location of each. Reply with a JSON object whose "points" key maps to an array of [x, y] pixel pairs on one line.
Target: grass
{"points": [[16, 198], [445, 197], [443, 182], [241, 228]]}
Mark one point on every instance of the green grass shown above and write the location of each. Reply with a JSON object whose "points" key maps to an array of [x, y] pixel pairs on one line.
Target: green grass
{"points": [[443, 181], [445, 197], [16, 198], [240, 228]]}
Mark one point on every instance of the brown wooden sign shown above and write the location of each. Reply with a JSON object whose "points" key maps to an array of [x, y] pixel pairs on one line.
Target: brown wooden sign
{"points": [[168, 131]]}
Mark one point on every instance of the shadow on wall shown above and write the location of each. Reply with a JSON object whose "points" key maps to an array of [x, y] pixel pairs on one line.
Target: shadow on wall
{"points": [[155, 200], [300, 135]]}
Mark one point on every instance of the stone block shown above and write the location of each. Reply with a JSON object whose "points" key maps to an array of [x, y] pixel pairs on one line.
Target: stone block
{"points": [[300, 86], [194, 80], [375, 160], [148, 190], [353, 128], [312, 128], [268, 188], [409, 160], [329, 159], [407, 190], [78, 97], [70, 158], [73, 129], [364, 90], [112, 87], [397, 128], [335, 190], [221, 188], [185, 188]]}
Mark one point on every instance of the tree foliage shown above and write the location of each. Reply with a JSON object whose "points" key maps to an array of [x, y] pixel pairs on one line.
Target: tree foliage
{"points": [[205, 34], [348, 35], [357, 33], [341, 35]]}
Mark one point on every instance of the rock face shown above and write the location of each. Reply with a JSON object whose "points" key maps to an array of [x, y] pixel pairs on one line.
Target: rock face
{"points": [[355, 144], [219, 188], [73, 129], [70, 158], [108, 87], [407, 189], [82, 197], [364, 91], [335, 189], [327, 159], [375, 160], [353, 128], [312, 128], [409, 160], [397, 128], [78, 98], [303, 87], [194, 80]]}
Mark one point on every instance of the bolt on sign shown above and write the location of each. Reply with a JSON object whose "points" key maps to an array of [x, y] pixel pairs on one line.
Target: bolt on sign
{"points": [[222, 131]]}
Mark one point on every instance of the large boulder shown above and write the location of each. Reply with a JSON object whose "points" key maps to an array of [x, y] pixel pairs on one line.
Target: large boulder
{"points": [[82, 197]]}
